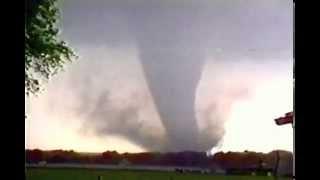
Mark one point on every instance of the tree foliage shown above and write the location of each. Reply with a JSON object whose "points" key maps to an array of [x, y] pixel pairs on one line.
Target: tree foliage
{"points": [[45, 53]]}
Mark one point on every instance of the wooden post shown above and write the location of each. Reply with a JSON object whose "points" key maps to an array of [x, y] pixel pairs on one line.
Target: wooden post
{"points": [[293, 123]]}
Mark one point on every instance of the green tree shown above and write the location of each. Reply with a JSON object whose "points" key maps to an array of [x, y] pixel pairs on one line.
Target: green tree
{"points": [[45, 53]]}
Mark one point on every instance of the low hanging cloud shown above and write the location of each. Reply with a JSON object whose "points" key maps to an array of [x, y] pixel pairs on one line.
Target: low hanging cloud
{"points": [[164, 75]]}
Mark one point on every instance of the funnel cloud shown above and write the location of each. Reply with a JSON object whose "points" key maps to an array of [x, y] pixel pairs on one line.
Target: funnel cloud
{"points": [[165, 74]]}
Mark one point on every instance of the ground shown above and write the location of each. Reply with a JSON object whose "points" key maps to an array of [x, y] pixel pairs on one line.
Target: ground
{"points": [[90, 174]]}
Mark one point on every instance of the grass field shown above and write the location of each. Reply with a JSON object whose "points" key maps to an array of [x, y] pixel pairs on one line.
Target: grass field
{"points": [[90, 174]]}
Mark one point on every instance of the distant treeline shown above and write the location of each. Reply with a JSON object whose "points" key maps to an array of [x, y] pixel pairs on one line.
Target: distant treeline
{"points": [[229, 160]]}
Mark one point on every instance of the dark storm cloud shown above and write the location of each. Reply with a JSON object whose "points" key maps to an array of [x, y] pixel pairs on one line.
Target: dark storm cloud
{"points": [[173, 39], [234, 25]]}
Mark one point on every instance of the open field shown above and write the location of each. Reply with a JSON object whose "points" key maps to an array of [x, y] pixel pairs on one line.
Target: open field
{"points": [[92, 174]]}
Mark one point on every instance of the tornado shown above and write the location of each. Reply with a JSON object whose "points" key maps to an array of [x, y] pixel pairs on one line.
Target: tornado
{"points": [[170, 42], [172, 56], [173, 92]]}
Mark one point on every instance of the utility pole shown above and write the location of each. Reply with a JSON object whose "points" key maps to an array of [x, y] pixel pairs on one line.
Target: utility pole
{"points": [[290, 117], [293, 123]]}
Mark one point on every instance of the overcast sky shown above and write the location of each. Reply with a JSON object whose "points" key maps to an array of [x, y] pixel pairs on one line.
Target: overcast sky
{"points": [[113, 97]]}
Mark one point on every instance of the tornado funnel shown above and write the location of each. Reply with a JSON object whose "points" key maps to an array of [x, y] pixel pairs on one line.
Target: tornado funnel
{"points": [[172, 60]]}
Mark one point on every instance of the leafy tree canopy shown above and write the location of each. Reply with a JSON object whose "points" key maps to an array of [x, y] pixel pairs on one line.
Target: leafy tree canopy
{"points": [[45, 53]]}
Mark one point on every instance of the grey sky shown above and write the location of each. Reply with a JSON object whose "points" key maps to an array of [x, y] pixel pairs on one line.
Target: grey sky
{"points": [[127, 48], [238, 25]]}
